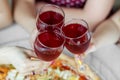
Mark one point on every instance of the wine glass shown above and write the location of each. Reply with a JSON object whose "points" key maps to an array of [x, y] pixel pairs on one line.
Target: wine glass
{"points": [[50, 17], [77, 35], [48, 45], [49, 20]]}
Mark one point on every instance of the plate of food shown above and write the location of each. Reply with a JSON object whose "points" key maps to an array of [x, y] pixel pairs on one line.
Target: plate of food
{"points": [[63, 68]]}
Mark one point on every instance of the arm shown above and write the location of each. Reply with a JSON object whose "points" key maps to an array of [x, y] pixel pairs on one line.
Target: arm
{"points": [[24, 14], [5, 14], [108, 32], [94, 11]]}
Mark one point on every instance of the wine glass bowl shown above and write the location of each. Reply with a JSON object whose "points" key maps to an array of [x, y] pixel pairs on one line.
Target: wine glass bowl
{"points": [[50, 17], [77, 35], [48, 45]]}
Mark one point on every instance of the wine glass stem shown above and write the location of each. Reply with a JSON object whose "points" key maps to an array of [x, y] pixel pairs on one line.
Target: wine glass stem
{"points": [[79, 61]]}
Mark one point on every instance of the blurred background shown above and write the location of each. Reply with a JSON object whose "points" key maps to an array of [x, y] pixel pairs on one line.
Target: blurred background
{"points": [[15, 35]]}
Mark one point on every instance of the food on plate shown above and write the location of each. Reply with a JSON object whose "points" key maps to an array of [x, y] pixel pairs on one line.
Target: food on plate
{"points": [[3, 72], [58, 70], [63, 68]]}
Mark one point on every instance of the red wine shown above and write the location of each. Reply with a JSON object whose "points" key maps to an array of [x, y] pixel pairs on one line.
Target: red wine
{"points": [[76, 40], [49, 20], [48, 45]]}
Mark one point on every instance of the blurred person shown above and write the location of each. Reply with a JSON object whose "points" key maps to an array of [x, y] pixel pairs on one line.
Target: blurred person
{"points": [[25, 12], [89, 10]]}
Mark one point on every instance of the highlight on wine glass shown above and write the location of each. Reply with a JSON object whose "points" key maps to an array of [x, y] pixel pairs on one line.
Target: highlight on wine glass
{"points": [[50, 17], [48, 45], [77, 35]]}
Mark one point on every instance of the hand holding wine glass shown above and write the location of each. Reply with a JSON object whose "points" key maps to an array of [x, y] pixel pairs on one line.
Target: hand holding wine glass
{"points": [[50, 17]]}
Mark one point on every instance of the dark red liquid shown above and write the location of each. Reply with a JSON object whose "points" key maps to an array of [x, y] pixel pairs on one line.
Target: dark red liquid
{"points": [[75, 43], [49, 20], [44, 44]]}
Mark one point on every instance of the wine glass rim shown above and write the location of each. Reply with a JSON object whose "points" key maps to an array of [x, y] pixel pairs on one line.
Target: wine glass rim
{"points": [[87, 31], [39, 12], [48, 46]]}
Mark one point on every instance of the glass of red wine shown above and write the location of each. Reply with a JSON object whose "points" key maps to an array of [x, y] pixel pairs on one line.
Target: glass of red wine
{"points": [[50, 17], [48, 45], [77, 35]]}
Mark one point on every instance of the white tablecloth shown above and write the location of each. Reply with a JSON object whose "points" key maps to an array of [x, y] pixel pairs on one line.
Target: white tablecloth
{"points": [[105, 61]]}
